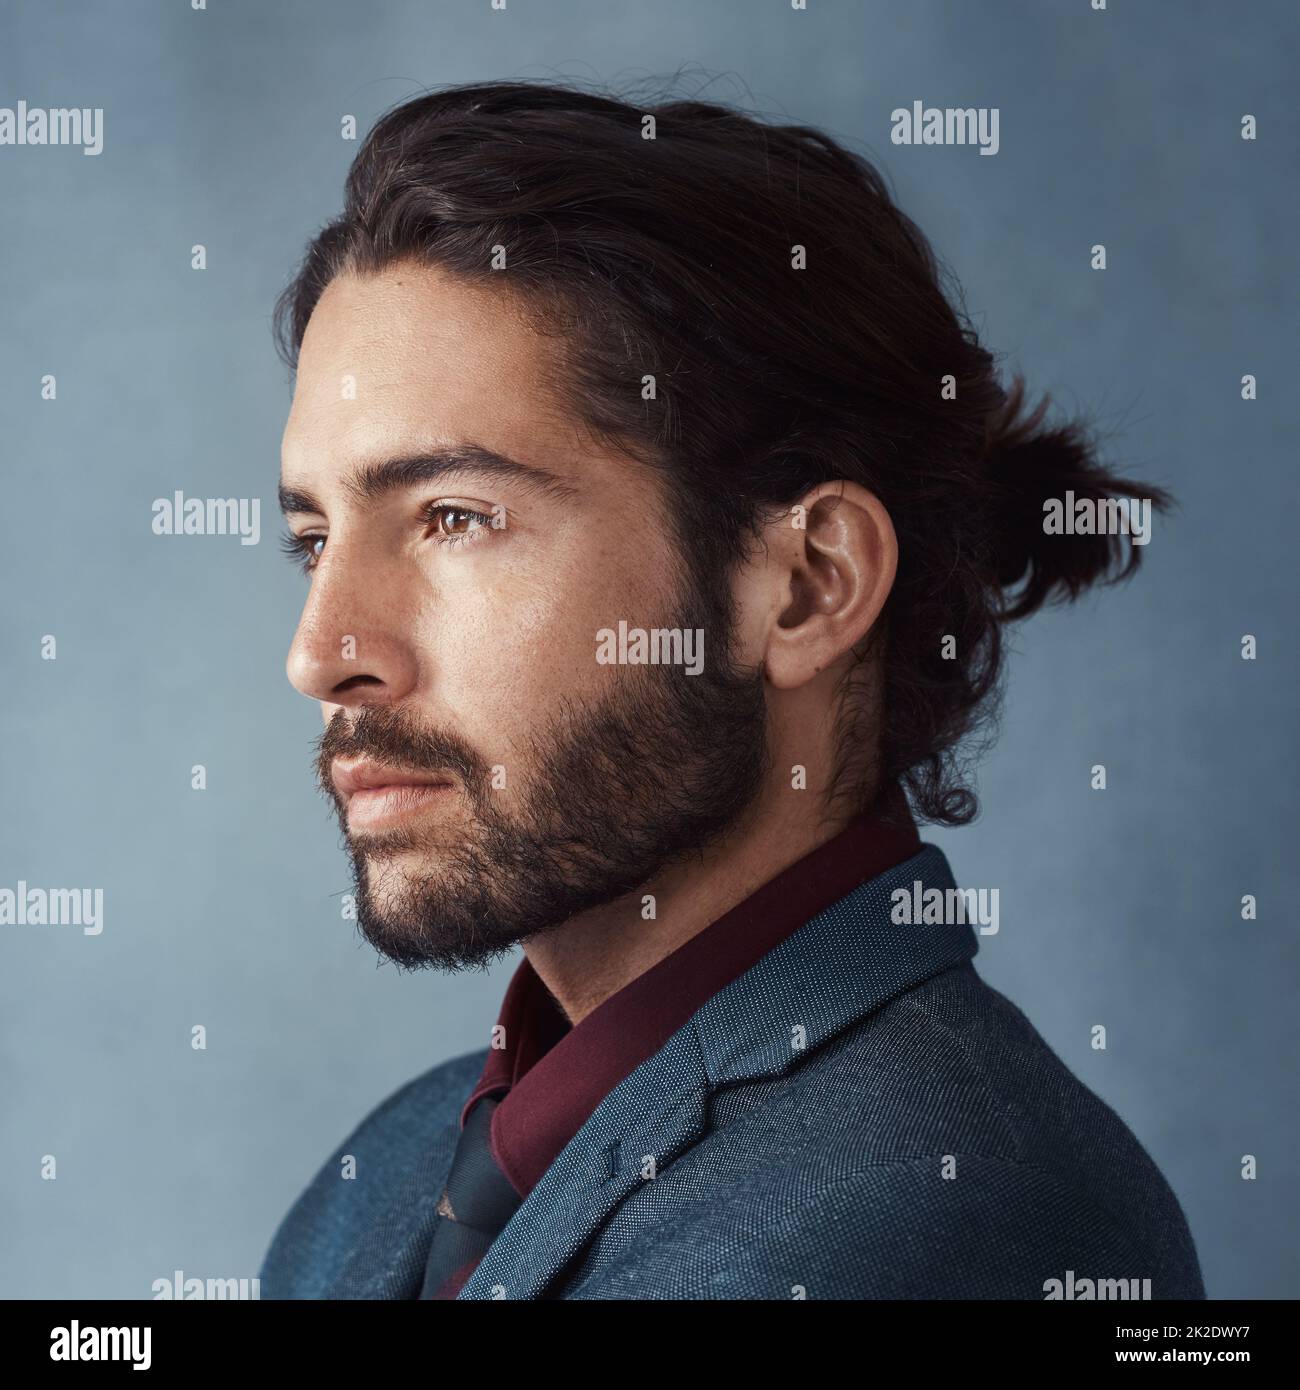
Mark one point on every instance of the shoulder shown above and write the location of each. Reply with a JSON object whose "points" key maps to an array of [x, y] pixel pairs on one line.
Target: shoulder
{"points": [[957, 1226], [1013, 1162], [935, 1149], [403, 1140]]}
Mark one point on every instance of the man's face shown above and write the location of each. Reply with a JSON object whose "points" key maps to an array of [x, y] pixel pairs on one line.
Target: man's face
{"points": [[468, 541]]}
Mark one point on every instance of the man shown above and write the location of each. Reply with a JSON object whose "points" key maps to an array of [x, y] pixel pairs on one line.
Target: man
{"points": [[661, 518]]}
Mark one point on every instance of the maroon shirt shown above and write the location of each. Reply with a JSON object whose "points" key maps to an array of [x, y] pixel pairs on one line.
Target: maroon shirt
{"points": [[554, 1075]]}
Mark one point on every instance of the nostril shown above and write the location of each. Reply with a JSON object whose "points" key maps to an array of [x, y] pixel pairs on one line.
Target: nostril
{"points": [[356, 683]]}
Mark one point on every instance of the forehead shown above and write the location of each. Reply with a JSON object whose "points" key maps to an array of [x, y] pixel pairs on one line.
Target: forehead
{"points": [[415, 357]]}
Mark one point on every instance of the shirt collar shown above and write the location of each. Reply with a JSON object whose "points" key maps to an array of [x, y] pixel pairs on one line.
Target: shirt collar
{"points": [[553, 1076]]}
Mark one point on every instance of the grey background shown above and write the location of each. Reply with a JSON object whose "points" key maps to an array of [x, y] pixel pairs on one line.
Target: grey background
{"points": [[1122, 907]]}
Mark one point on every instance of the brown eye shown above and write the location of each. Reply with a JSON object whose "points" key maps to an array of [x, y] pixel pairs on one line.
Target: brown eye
{"points": [[456, 523], [303, 549]]}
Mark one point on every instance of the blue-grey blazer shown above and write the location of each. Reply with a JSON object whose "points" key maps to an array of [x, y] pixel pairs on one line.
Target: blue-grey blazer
{"points": [[857, 1116]]}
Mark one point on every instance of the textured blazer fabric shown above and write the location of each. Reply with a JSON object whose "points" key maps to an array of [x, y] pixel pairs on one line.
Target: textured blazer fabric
{"points": [[857, 1116]]}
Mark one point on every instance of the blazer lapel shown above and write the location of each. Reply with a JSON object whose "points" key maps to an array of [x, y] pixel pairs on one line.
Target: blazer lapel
{"points": [[645, 1121], [389, 1262], [840, 967]]}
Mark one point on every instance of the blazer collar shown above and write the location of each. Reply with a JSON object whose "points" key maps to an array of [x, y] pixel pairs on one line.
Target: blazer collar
{"points": [[554, 1075], [838, 968]]}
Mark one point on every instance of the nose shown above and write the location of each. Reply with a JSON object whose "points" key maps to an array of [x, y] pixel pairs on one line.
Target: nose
{"points": [[350, 648]]}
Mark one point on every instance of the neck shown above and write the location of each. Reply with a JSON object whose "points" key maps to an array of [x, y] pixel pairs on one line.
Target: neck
{"points": [[599, 951]]}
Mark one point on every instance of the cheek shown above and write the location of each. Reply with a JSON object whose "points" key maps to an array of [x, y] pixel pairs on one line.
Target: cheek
{"points": [[498, 656], [504, 656]]}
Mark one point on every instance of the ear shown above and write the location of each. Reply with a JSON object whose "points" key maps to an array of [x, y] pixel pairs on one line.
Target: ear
{"points": [[832, 559]]}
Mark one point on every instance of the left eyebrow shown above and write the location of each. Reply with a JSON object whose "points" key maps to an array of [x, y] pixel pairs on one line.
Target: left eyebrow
{"points": [[375, 480]]}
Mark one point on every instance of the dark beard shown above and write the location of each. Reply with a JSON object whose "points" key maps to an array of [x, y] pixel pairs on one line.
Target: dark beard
{"points": [[646, 777]]}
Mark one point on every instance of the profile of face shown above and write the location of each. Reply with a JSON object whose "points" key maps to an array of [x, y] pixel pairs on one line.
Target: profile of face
{"points": [[466, 540]]}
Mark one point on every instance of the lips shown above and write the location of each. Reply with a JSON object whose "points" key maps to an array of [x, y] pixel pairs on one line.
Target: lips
{"points": [[355, 777], [373, 794]]}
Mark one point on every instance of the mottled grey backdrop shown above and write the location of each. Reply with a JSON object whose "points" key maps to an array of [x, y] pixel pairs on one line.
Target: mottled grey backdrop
{"points": [[222, 127]]}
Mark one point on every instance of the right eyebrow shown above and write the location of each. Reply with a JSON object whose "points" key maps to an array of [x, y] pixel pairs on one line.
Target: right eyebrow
{"points": [[294, 501]]}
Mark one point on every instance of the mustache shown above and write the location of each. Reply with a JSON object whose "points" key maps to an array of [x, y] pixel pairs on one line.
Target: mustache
{"points": [[387, 736]]}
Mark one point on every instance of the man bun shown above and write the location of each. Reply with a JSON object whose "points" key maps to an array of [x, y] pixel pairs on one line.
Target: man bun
{"points": [[1031, 464]]}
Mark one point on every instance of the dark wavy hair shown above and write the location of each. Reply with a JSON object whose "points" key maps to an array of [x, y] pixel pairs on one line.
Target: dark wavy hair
{"points": [[673, 257]]}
